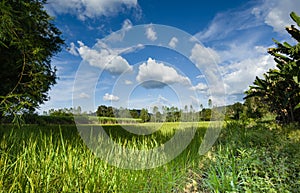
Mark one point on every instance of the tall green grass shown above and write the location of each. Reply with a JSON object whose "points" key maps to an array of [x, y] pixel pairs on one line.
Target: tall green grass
{"points": [[254, 157], [55, 159], [248, 157]]}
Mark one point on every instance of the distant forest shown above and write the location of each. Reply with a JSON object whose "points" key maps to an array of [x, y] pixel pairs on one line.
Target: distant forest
{"points": [[251, 108]]}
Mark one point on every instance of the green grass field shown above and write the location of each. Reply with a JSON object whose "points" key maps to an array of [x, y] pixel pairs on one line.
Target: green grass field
{"points": [[252, 157]]}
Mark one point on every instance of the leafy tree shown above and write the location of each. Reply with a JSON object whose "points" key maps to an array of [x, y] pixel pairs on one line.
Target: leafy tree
{"points": [[279, 88], [144, 115], [206, 114], [101, 111], [191, 116], [255, 108], [104, 111], [134, 113], [155, 110], [61, 112], [158, 116], [28, 40], [77, 110], [185, 113], [237, 110], [123, 113]]}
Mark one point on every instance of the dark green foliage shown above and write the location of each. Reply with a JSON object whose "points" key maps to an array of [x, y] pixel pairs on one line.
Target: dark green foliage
{"points": [[60, 112], [279, 88], [30, 118], [104, 111], [205, 114], [254, 108], [254, 158], [144, 115], [28, 40], [134, 113]]}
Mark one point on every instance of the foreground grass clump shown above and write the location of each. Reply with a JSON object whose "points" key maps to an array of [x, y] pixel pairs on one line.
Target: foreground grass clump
{"points": [[55, 159], [253, 158]]}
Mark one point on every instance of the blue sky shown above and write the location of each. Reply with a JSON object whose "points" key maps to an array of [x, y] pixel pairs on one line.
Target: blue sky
{"points": [[135, 54]]}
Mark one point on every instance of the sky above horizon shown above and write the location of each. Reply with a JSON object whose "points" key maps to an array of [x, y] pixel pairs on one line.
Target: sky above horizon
{"points": [[140, 54]]}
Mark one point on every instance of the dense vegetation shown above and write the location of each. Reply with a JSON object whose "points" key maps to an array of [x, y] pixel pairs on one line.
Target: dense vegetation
{"points": [[280, 87], [28, 40], [248, 157], [252, 108]]}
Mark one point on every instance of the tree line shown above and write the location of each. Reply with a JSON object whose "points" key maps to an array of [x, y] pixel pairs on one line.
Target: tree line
{"points": [[251, 108]]}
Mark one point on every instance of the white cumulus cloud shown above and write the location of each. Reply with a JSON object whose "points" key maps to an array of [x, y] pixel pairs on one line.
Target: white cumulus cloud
{"points": [[238, 76], [106, 58], [200, 87], [204, 57], [173, 42], [150, 33], [153, 74], [110, 97], [276, 13]]}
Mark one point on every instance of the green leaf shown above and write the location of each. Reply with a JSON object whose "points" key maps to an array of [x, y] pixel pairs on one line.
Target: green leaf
{"points": [[296, 18], [287, 45], [295, 78]]}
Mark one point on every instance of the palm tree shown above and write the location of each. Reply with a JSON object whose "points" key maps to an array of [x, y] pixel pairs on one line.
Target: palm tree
{"points": [[280, 88]]}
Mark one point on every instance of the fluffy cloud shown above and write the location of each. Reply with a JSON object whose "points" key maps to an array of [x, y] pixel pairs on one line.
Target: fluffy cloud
{"points": [[150, 33], [173, 42], [128, 82], [90, 8], [204, 57], [207, 60], [199, 87], [106, 58], [276, 13], [154, 74], [110, 97], [238, 76]]}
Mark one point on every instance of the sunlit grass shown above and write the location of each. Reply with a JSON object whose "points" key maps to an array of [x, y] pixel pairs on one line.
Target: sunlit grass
{"points": [[55, 159], [248, 157]]}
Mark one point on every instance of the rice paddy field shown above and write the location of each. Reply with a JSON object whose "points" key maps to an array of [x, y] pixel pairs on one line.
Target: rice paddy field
{"points": [[247, 157]]}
